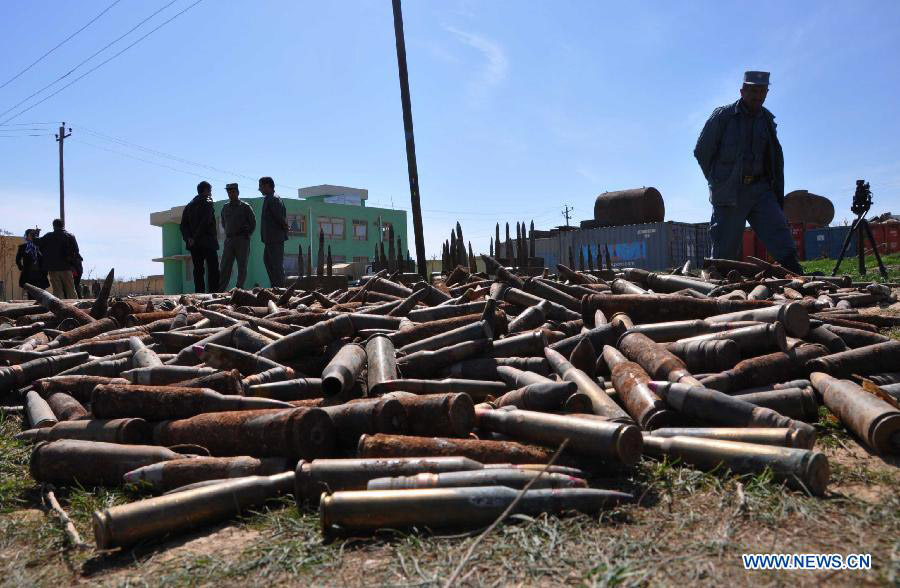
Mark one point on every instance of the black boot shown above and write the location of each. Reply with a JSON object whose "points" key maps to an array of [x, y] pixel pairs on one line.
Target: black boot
{"points": [[791, 264]]}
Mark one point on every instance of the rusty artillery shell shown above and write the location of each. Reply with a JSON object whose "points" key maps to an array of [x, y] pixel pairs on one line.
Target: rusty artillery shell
{"points": [[109, 366], [601, 438], [509, 477], [795, 403], [529, 344], [226, 382], [304, 433], [825, 337], [481, 450], [434, 313], [369, 416], [246, 339], [760, 292], [542, 289], [766, 369], [530, 318], [165, 375], [671, 283], [161, 515], [38, 411], [166, 475], [543, 396], [856, 337], [479, 390], [141, 356], [870, 359], [340, 374], [715, 407], [127, 431], [362, 321], [706, 355], [675, 330], [222, 357], [355, 511], [872, 419], [92, 462], [157, 403], [65, 407], [751, 341], [297, 389], [516, 378], [504, 293], [603, 405], [381, 362], [651, 308], [778, 386], [18, 376], [425, 363], [656, 361], [85, 331], [781, 437], [793, 316], [314, 477], [623, 287], [59, 308], [411, 332], [599, 336], [442, 415], [799, 468], [469, 332], [309, 338], [631, 384], [584, 357], [278, 374], [485, 368]]}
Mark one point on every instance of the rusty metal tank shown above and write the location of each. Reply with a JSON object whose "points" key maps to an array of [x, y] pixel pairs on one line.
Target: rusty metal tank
{"points": [[629, 207], [801, 206]]}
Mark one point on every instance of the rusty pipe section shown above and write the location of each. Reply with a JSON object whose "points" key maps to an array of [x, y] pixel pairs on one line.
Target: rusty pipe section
{"points": [[167, 475], [799, 468], [656, 361], [354, 511], [509, 477], [631, 383], [782, 437], [131, 523], [766, 369], [601, 403], [873, 420], [300, 433]]}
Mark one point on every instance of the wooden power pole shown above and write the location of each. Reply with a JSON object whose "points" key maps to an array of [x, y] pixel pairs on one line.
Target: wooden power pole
{"points": [[410, 141], [60, 138]]}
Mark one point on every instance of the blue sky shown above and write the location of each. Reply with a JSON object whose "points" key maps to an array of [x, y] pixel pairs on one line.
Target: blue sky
{"points": [[520, 108]]}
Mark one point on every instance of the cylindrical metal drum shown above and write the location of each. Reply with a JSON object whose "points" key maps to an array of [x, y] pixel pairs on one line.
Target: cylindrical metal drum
{"points": [[629, 207]]}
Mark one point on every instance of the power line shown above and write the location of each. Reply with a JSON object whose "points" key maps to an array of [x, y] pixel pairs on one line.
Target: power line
{"points": [[16, 136], [63, 42], [99, 65], [28, 123], [156, 163]]}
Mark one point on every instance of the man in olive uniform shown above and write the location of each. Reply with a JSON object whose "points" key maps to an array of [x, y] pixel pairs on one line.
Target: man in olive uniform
{"points": [[59, 250], [239, 221], [198, 229], [273, 228], [739, 153]]}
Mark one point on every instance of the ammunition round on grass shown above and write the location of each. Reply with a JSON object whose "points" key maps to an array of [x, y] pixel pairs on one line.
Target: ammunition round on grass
{"points": [[38, 411], [304, 433], [369, 416], [656, 361], [799, 468], [782, 437], [870, 359], [351, 512], [158, 403], [795, 403], [442, 415], [161, 515], [751, 340], [164, 476], [792, 315], [631, 384], [509, 477], [311, 478], [602, 404], [68, 461], [542, 396], [66, 408], [766, 369], [484, 451], [165, 375], [713, 355], [873, 420]]}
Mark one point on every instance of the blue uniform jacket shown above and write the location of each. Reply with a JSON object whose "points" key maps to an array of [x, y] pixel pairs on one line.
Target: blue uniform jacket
{"points": [[720, 153]]}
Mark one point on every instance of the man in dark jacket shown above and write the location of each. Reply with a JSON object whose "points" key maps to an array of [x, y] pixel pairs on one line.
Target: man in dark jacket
{"points": [[28, 260], [739, 153], [198, 229], [273, 230], [239, 221], [59, 250]]}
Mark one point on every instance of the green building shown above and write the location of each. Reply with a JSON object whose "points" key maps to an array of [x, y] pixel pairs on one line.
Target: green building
{"points": [[351, 228]]}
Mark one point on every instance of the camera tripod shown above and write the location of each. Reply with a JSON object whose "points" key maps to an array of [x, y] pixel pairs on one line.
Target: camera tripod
{"points": [[862, 202]]}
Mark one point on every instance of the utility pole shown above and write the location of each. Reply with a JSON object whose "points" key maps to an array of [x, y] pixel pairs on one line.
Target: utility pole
{"points": [[60, 138], [566, 213], [410, 140]]}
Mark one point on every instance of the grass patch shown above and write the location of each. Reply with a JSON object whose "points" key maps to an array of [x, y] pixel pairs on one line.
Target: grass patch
{"points": [[849, 266]]}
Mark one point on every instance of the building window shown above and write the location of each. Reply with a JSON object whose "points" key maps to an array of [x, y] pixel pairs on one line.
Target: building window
{"points": [[296, 224], [338, 259], [291, 264], [361, 258], [360, 230], [332, 227]]}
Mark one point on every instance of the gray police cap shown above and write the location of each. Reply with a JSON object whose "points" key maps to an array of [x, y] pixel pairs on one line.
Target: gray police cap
{"points": [[756, 78]]}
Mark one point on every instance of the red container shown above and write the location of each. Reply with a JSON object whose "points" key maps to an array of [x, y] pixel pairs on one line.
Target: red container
{"points": [[892, 236], [798, 232], [753, 245], [880, 235]]}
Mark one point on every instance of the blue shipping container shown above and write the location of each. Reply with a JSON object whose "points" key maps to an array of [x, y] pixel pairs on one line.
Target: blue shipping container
{"points": [[650, 246], [827, 242]]}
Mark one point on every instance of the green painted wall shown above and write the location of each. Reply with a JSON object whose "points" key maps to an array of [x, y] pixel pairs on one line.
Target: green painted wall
{"points": [[179, 279]]}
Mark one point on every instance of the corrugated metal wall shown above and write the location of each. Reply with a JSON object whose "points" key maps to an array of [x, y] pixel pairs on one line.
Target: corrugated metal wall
{"points": [[650, 246]]}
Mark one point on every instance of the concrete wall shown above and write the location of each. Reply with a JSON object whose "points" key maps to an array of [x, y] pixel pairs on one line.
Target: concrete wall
{"points": [[9, 272]]}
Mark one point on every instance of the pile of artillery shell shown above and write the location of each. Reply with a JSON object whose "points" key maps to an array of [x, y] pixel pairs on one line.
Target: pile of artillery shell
{"points": [[397, 404]]}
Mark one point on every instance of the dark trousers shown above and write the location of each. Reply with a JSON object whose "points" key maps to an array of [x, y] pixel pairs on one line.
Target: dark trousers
{"points": [[235, 248], [273, 258], [199, 256], [757, 204]]}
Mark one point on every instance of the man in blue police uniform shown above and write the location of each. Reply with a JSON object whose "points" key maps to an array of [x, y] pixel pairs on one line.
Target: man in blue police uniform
{"points": [[742, 160]]}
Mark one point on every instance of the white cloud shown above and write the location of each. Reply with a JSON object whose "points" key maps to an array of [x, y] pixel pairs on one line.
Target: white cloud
{"points": [[495, 68]]}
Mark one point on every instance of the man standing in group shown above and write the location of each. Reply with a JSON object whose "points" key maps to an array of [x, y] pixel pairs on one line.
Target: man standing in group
{"points": [[198, 229], [239, 222], [59, 251], [742, 160], [273, 231]]}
